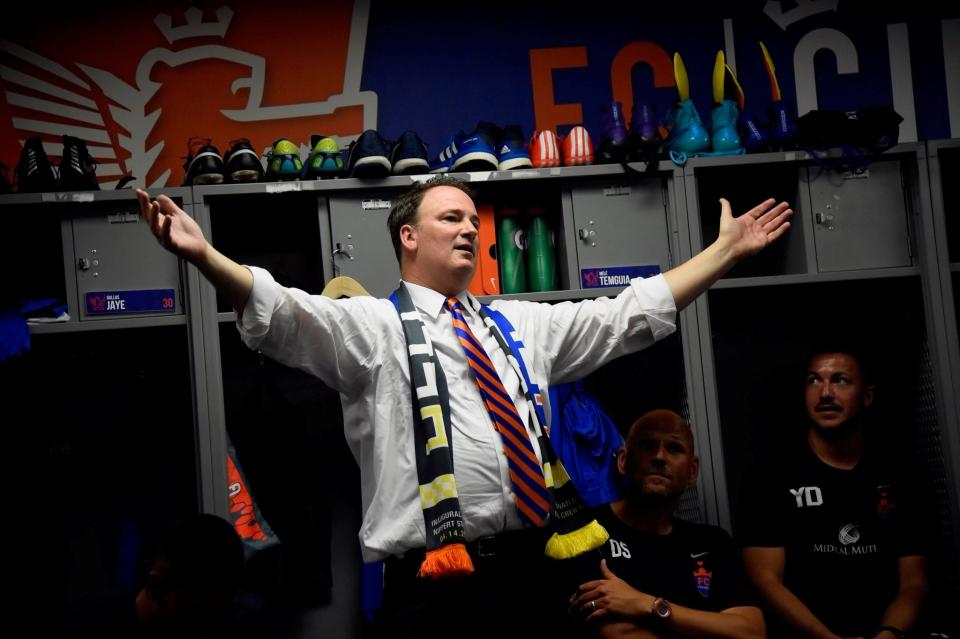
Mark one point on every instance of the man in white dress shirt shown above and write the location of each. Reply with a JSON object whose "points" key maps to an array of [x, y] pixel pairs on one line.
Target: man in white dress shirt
{"points": [[358, 347]]}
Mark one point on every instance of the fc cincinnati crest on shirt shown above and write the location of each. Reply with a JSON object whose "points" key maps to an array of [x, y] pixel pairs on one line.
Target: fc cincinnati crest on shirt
{"points": [[886, 505], [702, 576]]}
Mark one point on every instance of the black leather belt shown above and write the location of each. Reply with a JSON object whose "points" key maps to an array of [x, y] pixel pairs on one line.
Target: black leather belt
{"points": [[507, 544]]}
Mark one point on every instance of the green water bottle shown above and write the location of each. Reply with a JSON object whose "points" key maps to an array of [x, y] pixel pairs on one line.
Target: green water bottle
{"points": [[511, 251], [541, 254]]}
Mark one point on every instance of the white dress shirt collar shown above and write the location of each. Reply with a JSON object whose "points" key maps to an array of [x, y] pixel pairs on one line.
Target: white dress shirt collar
{"points": [[432, 302]]}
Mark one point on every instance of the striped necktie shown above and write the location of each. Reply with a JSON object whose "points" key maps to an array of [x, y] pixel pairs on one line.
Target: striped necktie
{"points": [[530, 492]]}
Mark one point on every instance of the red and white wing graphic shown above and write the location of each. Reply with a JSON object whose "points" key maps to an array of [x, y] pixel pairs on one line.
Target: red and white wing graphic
{"points": [[49, 100]]}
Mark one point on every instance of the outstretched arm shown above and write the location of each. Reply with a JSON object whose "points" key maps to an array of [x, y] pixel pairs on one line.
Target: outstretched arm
{"points": [[739, 237], [181, 235]]}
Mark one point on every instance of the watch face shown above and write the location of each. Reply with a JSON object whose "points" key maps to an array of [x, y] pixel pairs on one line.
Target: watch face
{"points": [[661, 608]]}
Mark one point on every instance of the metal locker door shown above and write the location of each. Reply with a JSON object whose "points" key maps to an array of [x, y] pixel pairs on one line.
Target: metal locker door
{"points": [[621, 231], [860, 222], [362, 248], [121, 269]]}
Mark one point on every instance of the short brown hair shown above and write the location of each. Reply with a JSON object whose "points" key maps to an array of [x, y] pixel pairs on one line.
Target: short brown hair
{"points": [[407, 206]]}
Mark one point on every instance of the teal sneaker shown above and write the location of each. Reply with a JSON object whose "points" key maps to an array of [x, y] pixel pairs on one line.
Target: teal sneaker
{"points": [[723, 128], [687, 134]]}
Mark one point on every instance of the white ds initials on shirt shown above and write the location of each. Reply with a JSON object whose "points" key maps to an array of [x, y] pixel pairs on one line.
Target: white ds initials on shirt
{"points": [[619, 549]]}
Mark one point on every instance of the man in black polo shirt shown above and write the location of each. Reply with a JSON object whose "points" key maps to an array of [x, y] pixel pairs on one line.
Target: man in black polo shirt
{"points": [[831, 532], [662, 576]]}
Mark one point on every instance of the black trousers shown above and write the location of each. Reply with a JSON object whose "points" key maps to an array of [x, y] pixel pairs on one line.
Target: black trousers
{"points": [[514, 591]]}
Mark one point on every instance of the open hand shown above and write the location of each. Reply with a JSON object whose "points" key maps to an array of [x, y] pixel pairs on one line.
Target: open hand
{"points": [[174, 229], [754, 230]]}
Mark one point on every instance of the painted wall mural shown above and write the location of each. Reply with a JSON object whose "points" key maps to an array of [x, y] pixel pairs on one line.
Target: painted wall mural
{"points": [[137, 80], [152, 75]]}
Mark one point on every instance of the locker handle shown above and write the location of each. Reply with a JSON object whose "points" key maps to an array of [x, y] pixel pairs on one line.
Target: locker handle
{"points": [[339, 250]]}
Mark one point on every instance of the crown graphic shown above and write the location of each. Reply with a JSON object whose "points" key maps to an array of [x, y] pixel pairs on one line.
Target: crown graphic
{"points": [[195, 26]]}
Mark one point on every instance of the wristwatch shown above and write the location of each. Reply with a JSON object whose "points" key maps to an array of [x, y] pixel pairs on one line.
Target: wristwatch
{"points": [[661, 608]]}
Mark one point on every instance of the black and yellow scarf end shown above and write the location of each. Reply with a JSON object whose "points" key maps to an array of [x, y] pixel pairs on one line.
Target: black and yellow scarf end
{"points": [[576, 542]]}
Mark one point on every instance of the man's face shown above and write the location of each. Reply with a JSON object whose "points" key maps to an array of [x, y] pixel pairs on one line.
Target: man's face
{"points": [[660, 462], [445, 239], [835, 390]]}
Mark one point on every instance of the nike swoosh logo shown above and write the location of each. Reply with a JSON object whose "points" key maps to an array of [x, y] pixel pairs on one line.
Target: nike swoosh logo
{"points": [[698, 555]]}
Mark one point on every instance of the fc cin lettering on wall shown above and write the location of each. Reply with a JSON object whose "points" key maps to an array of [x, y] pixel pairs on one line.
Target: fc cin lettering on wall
{"points": [[876, 54]]}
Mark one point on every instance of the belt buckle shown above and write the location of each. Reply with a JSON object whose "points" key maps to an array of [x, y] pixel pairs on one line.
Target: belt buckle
{"points": [[487, 547]]}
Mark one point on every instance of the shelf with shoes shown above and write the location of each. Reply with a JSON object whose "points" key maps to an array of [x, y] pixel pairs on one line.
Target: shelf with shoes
{"points": [[332, 227], [857, 223], [403, 181]]}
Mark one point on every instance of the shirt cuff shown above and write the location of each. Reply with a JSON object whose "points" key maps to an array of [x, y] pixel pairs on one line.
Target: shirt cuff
{"points": [[255, 320], [656, 298]]}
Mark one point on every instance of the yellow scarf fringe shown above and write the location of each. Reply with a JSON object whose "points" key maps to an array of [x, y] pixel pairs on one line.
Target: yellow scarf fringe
{"points": [[577, 542]]}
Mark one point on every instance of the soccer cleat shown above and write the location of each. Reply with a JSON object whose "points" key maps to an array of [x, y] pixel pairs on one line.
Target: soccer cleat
{"points": [[34, 172], [544, 149], [613, 141], [78, 171], [475, 152], [754, 136], [577, 147], [512, 150], [687, 136], [283, 161], [444, 160], [643, 141], [469, 152], [368, 156], [203, 165], [723, 128], [723, 119], [783, 130], [409, 155], [242, 162], [325, 159]]}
